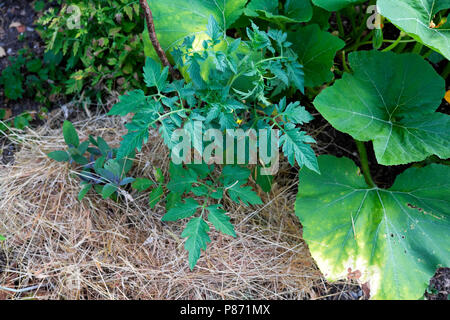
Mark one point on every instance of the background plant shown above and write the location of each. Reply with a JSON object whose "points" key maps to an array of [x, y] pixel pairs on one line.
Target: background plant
{"points": [[104, 53]]}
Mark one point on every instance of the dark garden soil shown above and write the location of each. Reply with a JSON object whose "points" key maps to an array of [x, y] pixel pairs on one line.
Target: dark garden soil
{"points": [[17, 31], [329, 140]]}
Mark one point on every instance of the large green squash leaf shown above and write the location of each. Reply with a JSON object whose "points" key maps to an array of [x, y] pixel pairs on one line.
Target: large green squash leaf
{"points": [[393, 239], [415, 17], [390, 99], [177, 19], [293, 11], [316, 50], [335, 5]]}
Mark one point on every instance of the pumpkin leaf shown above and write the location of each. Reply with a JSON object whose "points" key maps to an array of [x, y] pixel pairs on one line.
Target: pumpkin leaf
{"points": [[181, 210], [142, 184], [416, 18], [316, 50], [220, 220], [196, 232], [393, 239], [386, 102]]}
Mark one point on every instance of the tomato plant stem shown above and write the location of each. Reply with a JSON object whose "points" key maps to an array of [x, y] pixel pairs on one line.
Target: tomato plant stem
{"points": [[364, 163]]}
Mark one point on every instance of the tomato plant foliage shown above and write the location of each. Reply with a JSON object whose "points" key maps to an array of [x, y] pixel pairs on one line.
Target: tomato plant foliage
{"points": [[384, 101]]}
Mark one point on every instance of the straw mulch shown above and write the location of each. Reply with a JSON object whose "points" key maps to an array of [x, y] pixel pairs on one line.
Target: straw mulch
{"points": [[60, 248]]}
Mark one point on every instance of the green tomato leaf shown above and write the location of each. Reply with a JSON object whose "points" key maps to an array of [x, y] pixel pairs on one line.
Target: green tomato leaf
{"points": [[131, 102], [244, 194], [197, 233], [220, 220], [2, 238], [34, 65], [202, 170], [393, 239], [159, 176], [200, 191], [293, 112], [172, 199], [335, 5], [387, 102], [131, 141], [316, 50], [142, 184], [181, 210], [213, 29], [296, 75], [154, 76], [70, 134], [416, 18]]}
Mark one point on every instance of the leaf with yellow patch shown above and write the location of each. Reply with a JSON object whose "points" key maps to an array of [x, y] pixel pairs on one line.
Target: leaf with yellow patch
{"points": [[394, 239]]}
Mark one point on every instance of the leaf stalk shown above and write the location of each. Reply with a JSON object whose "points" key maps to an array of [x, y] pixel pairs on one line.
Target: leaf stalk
{"points": [[364, 163]]}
